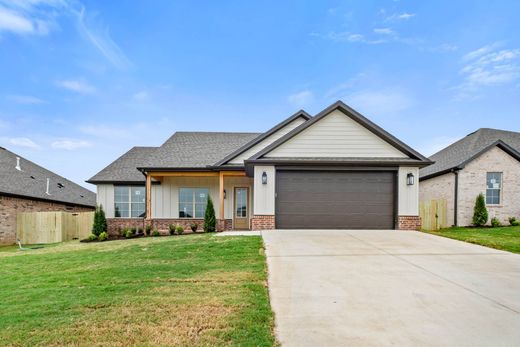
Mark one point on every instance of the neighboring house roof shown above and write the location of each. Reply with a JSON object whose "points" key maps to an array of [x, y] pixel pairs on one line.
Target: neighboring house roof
{"points": [[416, 157], [458, 154], [29, 180]]}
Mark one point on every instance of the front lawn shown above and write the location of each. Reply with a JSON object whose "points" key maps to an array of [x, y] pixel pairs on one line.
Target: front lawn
{"points": [[169, 291], [504, 238]]}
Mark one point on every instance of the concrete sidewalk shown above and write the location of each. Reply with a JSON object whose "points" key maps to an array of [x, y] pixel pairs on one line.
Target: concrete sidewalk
{"points": [[374, 288]]}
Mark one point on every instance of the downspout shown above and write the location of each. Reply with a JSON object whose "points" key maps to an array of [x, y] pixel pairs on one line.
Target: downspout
{"points": [[456, 198]]}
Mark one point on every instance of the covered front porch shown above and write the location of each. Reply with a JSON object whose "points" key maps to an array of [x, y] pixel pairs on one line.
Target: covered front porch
{"points": [[180, 198]]}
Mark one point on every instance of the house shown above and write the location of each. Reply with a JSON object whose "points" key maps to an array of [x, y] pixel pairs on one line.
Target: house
{"points": [[27, 187], [487, 162], [335, 170]]}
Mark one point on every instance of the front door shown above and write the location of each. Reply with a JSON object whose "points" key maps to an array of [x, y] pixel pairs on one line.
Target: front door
{"points": [[241, 208]]}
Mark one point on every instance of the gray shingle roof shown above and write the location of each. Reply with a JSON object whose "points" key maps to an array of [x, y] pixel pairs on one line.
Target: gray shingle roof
{"points": [[31, 182], [181, 150], [466, 148]]}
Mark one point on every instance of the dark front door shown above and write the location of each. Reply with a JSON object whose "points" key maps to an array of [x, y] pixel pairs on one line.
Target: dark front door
{"points": [[335, 199]]}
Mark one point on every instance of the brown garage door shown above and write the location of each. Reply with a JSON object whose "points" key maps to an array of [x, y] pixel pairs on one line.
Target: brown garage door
{"points": [[335, 199]]}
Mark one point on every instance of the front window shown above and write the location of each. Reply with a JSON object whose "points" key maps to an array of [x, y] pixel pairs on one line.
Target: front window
{"points": [[192, 202], [129, 201], [493, 188]]}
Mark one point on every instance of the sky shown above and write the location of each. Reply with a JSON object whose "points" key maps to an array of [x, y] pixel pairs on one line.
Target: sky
{"points": [[81, 82]]}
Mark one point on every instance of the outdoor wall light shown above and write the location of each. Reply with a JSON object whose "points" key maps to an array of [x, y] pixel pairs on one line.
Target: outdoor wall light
{"points": [[410, 179], [264, 177]]}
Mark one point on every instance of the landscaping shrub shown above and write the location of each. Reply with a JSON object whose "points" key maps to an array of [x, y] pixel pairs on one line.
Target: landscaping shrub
{"points": [[156, 232], [171, 229], [128, 233], [480, 213], [495, 222], [103, 236], [148, 230], [194, 227], [140, 230], [179, 230], [514, 222], [92, 237], [100, 221], [210, 221]]}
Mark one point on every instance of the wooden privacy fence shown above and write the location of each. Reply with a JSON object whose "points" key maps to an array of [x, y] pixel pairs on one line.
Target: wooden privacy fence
{"points": [[49, 227], [434, 214]]}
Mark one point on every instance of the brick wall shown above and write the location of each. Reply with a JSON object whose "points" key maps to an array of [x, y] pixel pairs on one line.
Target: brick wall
{"points": [[116, 225], [409, 223], [262, 222], [11, 206]]}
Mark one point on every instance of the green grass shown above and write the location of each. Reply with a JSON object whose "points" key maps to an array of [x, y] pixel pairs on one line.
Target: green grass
{"points": [[503, 238], [198, 290]]}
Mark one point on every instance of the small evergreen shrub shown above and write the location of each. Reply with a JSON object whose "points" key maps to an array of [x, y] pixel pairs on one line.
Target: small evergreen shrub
{"points": [[100, 221], [128, 233], [155, 232], [92, 237], [194, 227], [495, 222], [148, 230], [514, 222], [210, 222], [103, 236], [140, 230], [171, 229], [480, 213], [179, 230]]}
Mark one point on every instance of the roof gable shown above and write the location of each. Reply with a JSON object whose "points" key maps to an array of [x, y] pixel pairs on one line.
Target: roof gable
{"points": [[336, 132], [265, 139]]}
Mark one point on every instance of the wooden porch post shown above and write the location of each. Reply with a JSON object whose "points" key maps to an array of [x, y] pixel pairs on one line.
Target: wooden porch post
{"points": [[148, 196], [221, 196]]}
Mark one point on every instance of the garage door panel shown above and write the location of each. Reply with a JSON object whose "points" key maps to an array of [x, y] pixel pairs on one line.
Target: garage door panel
{"points": [[335, 199]]}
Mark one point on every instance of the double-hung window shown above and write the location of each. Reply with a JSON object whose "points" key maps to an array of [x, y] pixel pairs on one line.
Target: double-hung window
{"points": [[493, 188], [192, 202], [129, 201]]}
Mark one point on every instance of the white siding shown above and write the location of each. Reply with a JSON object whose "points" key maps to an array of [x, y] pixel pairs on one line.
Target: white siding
{"points": [[267, 141], [264, 193], [105, 197], [408, 195], [165, 196], [336, 135]]}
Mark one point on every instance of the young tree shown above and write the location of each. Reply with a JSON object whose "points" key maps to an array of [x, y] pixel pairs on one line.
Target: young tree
{"points": [[480, 213], [100, 221], [210, 221]]}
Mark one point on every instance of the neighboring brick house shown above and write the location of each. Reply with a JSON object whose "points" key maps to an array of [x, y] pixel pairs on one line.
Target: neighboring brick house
{"points": [[27, 187], [336, 170], [486, 161]]}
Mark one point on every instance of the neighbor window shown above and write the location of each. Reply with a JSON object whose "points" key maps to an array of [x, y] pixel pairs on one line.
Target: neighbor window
{"points": [[129, 201], [493, 188], [192, 202]]}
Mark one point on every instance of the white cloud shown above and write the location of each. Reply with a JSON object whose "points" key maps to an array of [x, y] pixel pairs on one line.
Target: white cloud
{"points": [[77, 86], [384, 31], [14, 22], [23, 142], [25, 99], [302, 98], [379, 102], [29, 17], [70, 144], [141, 96], [399, 16]]}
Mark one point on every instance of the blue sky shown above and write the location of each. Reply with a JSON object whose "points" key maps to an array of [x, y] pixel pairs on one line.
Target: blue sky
{"points": [[82, 82]]}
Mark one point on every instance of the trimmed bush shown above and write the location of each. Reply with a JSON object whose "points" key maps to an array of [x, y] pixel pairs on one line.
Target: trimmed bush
{"points": [[194, 227], [480, 213], [92, 237], [128, 233], [171, 229], [514, 222], [179, 230], [156, 232], [495, 222], [100, 221], [103, 236], [140, 230], [148, 230], [210, 222]]}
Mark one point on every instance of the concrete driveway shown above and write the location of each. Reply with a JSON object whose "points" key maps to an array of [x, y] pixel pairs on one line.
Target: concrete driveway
{"points": [[374, 288]]}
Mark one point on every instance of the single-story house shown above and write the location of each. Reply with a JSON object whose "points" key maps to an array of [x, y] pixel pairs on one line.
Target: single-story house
{"points": [[335, 170], [27, 187], [486, 161]]}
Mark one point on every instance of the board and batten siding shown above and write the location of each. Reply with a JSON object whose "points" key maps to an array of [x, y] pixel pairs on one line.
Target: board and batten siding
{"points": [[408, 196], [267, 141], [105, 197], [264, 193], [336, 135]]}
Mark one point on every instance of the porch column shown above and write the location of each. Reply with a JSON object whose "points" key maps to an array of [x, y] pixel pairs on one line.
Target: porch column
{"points": [[221, 196], [148, 197]]}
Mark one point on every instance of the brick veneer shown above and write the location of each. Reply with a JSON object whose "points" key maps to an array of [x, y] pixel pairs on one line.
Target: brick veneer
{"points": [[262, 222], [11, 206], [409, 223], [115, 225]]}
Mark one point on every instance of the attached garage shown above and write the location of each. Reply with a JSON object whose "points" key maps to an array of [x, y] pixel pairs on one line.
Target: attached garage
{"points": [[335, 199]]}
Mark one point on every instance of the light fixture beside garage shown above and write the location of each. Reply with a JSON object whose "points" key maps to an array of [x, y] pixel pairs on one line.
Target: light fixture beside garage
{"points": [[410, 179], [264, 177]]}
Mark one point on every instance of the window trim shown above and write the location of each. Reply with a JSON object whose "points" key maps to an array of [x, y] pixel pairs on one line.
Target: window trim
{"points": [[500, 190], [129, 200], [193, 202]]}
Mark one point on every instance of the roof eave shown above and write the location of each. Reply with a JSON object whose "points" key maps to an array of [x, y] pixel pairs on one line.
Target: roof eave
{"points": [[28, 197]]}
